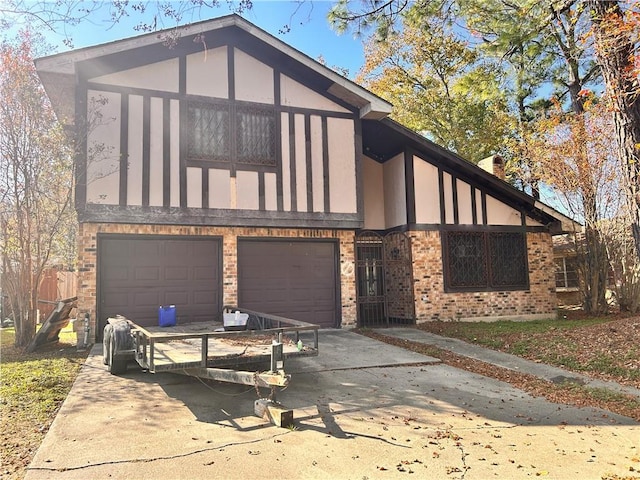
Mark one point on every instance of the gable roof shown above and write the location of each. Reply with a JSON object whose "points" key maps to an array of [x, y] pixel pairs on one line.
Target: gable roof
{"points": [[58, 72], [382, 137], [386, 138]]}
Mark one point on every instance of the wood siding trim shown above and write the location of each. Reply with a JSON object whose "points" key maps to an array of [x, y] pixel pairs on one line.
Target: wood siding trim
{"points": [[231, 72], [359, 168], [292, 163], [166, 152], [146, 148], [277, 101], [200, 98], [483, 200], [261, 192], [410, 186], [325, 164], [231, 81], [309, 166], [474, 206], [217, 217], [124, 149], [433, 227], [205, 188], [183, 155], [454, 194], [443, 216], [182, 75]]}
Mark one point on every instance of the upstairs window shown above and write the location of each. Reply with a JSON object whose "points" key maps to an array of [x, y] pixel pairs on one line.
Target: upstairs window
{"points": [[256, 135], [480, 261], [208, 126], [211, 127]]}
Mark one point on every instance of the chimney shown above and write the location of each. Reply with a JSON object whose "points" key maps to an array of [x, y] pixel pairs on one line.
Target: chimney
{"points": [[494, 165]]}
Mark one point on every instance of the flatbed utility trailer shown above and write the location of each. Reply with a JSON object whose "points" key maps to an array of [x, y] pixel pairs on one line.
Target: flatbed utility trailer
{"points": [[253, 355]]}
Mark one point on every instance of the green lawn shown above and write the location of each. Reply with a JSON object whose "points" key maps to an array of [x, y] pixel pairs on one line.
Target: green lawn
{"points": [[32, 388], [606, 347]]}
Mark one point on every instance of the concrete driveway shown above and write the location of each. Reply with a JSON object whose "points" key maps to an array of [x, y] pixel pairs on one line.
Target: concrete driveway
{"points": [[363, 410]]}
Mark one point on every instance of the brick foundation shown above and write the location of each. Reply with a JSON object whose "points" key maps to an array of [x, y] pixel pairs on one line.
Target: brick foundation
{"points": [[432, 303], [87, 248]]}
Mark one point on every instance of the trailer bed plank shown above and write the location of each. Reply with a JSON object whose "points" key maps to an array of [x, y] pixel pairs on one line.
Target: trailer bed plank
{"points": [[223, 348]]}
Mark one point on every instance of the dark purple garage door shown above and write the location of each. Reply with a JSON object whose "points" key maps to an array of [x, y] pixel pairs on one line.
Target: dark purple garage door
{"points": [[137, 274], [293, 279]]}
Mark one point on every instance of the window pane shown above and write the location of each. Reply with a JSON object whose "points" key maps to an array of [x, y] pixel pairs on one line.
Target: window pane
{"points": [[572, 272], [256, 137], [507, 253], [208, 132], [466, 259], [560, 274]]}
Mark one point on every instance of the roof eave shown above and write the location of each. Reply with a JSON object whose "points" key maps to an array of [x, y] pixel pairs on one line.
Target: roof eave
{"points": [[369, 105]]}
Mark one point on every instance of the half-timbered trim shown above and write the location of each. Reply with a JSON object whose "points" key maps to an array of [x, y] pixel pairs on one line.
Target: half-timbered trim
{"points": [[474, 206], [205, 188], [220, 216], [483, 200], [456, 206], [146, 149], [292, 163], [443, 212], [166, 152], [410, 186], [309, 164], [231, 71], [325, 163], [261, 192], [124, 148]]}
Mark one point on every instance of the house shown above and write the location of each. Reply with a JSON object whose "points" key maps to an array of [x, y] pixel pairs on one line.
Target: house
{"points": [[231, 169], [565, 257]]}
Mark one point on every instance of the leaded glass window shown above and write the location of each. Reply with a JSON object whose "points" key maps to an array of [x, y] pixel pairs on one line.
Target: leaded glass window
{"points": [[256, 136], [507, 253], [208, 132], [477, 261], [467, 265]]}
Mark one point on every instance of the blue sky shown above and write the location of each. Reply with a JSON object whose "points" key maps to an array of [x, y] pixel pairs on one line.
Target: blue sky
{"points": [[310, 32]]}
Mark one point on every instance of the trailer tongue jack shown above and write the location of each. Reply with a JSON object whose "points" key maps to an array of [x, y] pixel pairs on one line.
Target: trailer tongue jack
{"points": [[200, 350]]}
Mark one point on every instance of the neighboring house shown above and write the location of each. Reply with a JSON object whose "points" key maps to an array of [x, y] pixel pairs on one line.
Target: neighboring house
{"points": [[231, 169], [565, 258]]}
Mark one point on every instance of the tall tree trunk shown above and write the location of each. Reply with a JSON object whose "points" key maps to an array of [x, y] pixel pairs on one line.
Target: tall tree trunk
{"points": [[615, 54]]}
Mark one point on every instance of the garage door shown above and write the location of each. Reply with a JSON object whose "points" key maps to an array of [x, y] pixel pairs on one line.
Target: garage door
{"points": [[293, 279], [138, 274]]}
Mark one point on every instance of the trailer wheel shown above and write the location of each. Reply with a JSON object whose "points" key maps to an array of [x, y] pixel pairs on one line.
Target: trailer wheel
{"points": [[106, 338], [117, 363]]}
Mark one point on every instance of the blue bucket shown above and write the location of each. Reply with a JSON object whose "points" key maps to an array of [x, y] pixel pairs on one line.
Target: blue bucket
{"points": [[167, 316]]}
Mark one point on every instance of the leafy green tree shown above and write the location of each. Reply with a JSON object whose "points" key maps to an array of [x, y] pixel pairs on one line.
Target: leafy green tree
{"points": [[439, 87]]}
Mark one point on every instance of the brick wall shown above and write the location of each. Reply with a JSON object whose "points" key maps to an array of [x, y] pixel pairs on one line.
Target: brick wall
{"points": [[87, 248], [432, 303]]}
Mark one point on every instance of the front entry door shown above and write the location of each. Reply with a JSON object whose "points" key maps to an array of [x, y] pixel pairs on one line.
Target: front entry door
{"points": [[384, 279]]}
